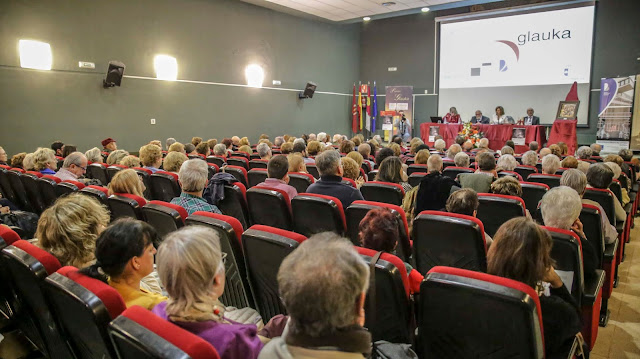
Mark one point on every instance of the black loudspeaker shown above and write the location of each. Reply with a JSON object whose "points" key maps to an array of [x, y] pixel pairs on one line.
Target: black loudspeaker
{"points": [[114, 74], [309, 90]]}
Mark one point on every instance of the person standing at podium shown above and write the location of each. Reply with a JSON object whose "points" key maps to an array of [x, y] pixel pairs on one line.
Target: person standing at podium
{"points": [[499, 118], [452, 116], [404, 128], [530, 119]]}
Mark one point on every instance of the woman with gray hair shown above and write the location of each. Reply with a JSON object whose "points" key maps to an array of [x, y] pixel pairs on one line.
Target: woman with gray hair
{"points": [[600, 176], [530, 158], [325, 301], [116, 156], [461, 160], [94, 155], [560, 208], [550, 164], [439, 145], [507, 163], [191, 268], [584, 153], [617, 171]]}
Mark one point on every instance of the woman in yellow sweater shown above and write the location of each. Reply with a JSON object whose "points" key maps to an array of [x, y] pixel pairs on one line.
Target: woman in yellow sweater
{"points": [[124, 255]]}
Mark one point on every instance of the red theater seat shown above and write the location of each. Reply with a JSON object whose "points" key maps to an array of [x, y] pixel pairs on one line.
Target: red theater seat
{"points": [[496, 209], [165, 217], [315, 213], [126, 205], [270, 207], [386, 192]]}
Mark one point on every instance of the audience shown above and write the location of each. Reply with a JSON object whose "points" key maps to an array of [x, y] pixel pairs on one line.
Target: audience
{"points": [[533, 146], [173, 161], [616, 175], [481, 180], [116, 157], [170, 141], [44, 160], [461, 160], [130, 161], [194, 177], [16, 160], [595, 149], [108, 145], [330, 183], [465, 201], [57, 147], [190, 150], [521, 251], [422, 156], [73, 167], [278, 178], [508, 186], [68, 149], [296, 163], [177, 147], [94, 155], [69, 228], [151, 157], [453, 151], [220, 150], [530, 158], [286, 148], [314, 148], [507, 150], [325, 301], [439, 145], [434, 187], [391, 171], [550, 164], [124, 256], [127, 181], [378, 230], [584, 153], [382, 154], [351, 170], [356, 157], [600, 176], [264, 151], [346, 146], [203, 149], [191, 268], [507, 163], [569, 162]]}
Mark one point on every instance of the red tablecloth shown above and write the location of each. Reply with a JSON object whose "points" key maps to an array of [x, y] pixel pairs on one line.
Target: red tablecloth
{"points": [[564, 131], [497, 135]]}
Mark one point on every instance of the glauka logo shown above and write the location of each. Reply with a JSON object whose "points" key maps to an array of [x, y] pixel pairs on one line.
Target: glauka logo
{"points": [[543, 36]]}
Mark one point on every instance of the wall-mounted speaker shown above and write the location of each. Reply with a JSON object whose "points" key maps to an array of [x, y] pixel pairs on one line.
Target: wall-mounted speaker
{"points": [[309, 90], [114, 74]]}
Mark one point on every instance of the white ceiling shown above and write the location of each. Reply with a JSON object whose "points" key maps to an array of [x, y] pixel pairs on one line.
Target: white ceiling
{"points": [[340, 10]]}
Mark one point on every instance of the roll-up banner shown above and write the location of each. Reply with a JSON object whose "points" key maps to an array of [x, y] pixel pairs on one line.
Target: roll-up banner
{"points": [[614, 118], [400, 100]]}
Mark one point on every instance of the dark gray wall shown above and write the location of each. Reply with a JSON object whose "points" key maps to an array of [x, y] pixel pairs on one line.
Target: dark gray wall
{"points": [[213, 40], [407, 43]]}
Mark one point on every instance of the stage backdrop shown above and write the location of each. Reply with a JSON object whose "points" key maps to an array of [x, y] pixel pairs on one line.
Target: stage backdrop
{"points": [[614, 119], [399, 99]]}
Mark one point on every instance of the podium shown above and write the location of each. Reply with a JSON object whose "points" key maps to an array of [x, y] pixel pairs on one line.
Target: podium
{"points": [[565, 131]]}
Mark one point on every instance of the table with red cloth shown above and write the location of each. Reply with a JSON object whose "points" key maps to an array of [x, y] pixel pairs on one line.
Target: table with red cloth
{"points": [[497, 135]]}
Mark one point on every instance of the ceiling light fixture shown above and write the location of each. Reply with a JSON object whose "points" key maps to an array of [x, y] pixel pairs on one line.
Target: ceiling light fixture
{"points": [[366, 18], [425, 9], [388, 3]]}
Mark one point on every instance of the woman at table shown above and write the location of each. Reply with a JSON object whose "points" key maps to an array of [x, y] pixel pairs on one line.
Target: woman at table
{"points": [[452, 116], [499, 118]]}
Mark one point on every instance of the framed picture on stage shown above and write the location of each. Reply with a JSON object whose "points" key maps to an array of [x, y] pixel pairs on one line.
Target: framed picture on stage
{"points": [[568, 110], [433, 132], [518, 135]]}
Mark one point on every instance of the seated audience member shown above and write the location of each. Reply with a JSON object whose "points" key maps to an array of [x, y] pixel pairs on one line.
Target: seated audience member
{"points": [[530, 158], [356, 157], [264, 151], [453, 151], [346, 147], [521, 251], [382, 154], [300, 147], [69, 228], [190, 150], [481, 180], [483, 144], [422, 157], [560, 208], [94, 155], [556, 150], [508, 186], [616, 174], [244, 141], [278, 141], [246, 149], [296, 163], [440, 145], [229, 144], [584, 153], [157, 143], [68, 149], [543, 152], [507, 150], [550, 164], [191, 268], [460, 140], [116, 157], [511, 144], [564, 149], [391, 171], [266, 137], [16, 160], [533, 146], [57, 147], [73, 167], [173, 161], [127, 181], [177, 147], [595, 149], [220, 150], [465, 201], [124, 256], [278, 178], [314, 148], [130, 161], [626, 154], [195, 141], [28, 163], [615, 159], [434, 187], [170, 141], [467, 146], [325, 301], [507, 163], [330, 183], [235, 140], [286, 148], [378, 230], [351, 170], [461, 160], [203, 149], [109, 145], [600, 176], [151, 157], [397, 150], [194, 177], [212, 142], [577, 180], [44, 160], [569, 162]]}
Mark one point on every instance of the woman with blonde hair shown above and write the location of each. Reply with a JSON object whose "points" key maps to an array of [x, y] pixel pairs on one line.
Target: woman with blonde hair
{"points": [[116, 156], [391, 171], [130, 161], [44, 160], [356, 156], [94, 155], [244, 141], [351, 170], [173, 161], [27, 163], [127, 181], [422, 157], [246, 149], [177, 147], [191, 267], [151, 157], [69, 229], [296, 163]]}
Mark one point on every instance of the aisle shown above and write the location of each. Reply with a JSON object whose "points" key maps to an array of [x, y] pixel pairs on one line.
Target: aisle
{"points": [[621, 337]]}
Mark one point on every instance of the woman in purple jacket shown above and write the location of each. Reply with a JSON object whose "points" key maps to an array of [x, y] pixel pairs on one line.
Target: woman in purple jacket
{"points": [[191, 267]]}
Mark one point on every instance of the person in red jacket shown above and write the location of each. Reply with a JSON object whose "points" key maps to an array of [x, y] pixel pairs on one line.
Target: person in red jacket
{"points": [[452, 116]]}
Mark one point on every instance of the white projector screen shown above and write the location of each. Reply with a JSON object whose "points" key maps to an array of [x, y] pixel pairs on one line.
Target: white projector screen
{"points": [[516, 61]]}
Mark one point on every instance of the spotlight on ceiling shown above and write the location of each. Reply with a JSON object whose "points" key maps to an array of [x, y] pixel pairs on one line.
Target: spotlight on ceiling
{"points": [[388, 3], [425, 9], [366, 18]]}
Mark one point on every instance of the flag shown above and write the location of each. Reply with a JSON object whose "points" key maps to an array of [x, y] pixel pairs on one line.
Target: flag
{"points": [[354, 111], [374, 110], [368, 119], [360, 106]]}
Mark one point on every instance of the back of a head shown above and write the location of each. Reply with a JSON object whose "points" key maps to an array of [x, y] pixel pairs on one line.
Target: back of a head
{"points": [[170, 141], [296, 162], [461, 160], [195, 141], [68, 149], [193, 175], [189, 147], [569, 162], [279, 140], [508, 186], [550, 164], [346, 146], [533, 146], [188, 261], [286, 148], [615, 159], [227, 142], [575, 179], [75, 158], [584, 152], [203, 148], [314, 147], [116, 156], [510, 144], [617, 171], [440, 145], [150, 155], [544, 152], [453, 151], [486, 161], [278, 167], [246, 149], [320, 284], [173, 161], [221, 150], [263, 150], [350, 168], [57, 145], [356, 157], [560, 207], [507, 150], [328, 162], [378, 230], [507, 162], [422, 157], [93, 155], [390, 170], [556, 150], [299, 146], [626, 154], [383, 153], [520, 251], [434, 163], [126, 181], [530, 158], [596, 148], [464, 201], [483, 143], [130, 161], [365, 150], [212, 142]]}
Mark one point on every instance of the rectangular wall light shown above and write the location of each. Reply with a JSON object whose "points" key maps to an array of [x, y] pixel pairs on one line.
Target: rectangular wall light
{"points": [[35, 54], [166, 67]]}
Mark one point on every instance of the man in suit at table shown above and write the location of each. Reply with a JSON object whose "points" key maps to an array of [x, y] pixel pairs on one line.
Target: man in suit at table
{"points": [[479, 118], [530, 119]]}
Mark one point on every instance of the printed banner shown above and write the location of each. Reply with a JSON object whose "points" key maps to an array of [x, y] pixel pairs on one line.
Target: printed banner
{"points": [[614, 119], [400, 99], [635, 124]]}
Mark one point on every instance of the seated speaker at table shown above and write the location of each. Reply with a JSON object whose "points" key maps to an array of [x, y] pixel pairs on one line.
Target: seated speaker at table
{"points": [[479, 118], [452, 116], [499, 118], [530, 119]]}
